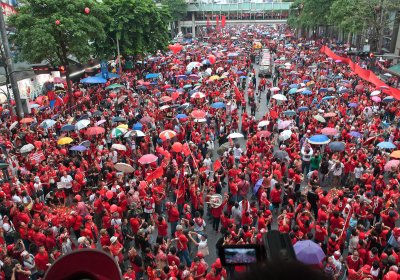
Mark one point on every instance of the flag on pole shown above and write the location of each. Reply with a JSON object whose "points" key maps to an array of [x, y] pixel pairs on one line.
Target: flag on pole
{"points": [[37, 157], [186, 149], [223, 21], [217, 22], [155, 174], [217, 165]]}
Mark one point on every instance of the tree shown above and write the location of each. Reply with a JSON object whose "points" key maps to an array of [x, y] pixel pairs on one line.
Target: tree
{"points": [[55, 30], [177, 10], [138, 25]]}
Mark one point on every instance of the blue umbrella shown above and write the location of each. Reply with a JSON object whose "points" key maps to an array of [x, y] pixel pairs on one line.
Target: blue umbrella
{"points": [[356, 134], [323, 90], [239, 72], [187, 86], [93, 80], [110, 75], [181, 116], [343, 90], [306, 92], [152, 75], [183, 77], [206, 62], [289, 113], [337, 146], [388, 99], [386, 145], [292, 90], [308, 252], [294, 86], [329, 97], [303, 109], [78, 148], [284, 84], [180, 90], [218, 105], [68, 127], [171, 89], [118, 119], [243, 77], [137, 126], [142, 87], [84, 117], [319, 139], [229, 60], [352, 105], [257, 186]]}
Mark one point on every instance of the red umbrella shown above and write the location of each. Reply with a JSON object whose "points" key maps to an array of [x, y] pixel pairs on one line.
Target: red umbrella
{"points": [[26, 120], [263, 134], [167, 134], [95, 130], [330, 131], [147, 159], [165, 98], [177, 147], [198, 114], [175, 95]]}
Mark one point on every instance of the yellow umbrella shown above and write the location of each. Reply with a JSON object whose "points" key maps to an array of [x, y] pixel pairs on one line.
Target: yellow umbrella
{"points": [[395, 154], [213, 78], [124, 126], [65, 141]]}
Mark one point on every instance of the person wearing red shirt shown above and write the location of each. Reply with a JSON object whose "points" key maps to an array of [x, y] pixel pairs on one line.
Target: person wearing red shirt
{"points": [[389, 218], [275, 196], [135, 223], [182, 246], [162, 227], [320, 232], [354, 261], [172, 258], [42, 259], [173, 216]]}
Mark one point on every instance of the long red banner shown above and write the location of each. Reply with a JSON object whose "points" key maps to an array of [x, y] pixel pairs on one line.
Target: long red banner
{"points": [[367, 75]]}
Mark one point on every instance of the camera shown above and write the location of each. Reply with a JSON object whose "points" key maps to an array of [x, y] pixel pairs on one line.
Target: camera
{"points": [[276, 246]]}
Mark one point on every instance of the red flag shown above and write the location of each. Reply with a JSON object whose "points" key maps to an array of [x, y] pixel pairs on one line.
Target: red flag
{"points": [[223, 21], [37, 157], [155, 174], [217, 165], [186, 149]]}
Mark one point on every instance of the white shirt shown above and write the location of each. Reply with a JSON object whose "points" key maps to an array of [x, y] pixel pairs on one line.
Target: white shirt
{"points": [[306, 156], [358, 171], [66, 181], [337, 171], [237, 152]]}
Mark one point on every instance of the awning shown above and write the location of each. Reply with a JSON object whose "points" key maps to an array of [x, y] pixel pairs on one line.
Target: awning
{"points": [[395, 70]]}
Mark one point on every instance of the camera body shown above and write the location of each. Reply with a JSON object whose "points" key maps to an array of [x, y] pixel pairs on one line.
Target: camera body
{"points": [[276, 246]]}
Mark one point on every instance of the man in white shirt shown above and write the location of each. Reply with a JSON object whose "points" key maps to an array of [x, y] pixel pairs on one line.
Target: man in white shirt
{"points": [[237, 153], [337, 171], [306, 154]]}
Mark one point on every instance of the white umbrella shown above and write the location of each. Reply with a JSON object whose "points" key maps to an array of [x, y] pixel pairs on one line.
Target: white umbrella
{"points": [[100, 122], [275, 89], [263, 123], [235, 135], [137, 133], [27, 148], [13, 125], [200, 120], [387, 75], [3, 98], [375, 92], [48, 123], [285, 135], [119, 147], [319, 118], [279, 97], [82, 124], [288, 64], [123, 167], [164, 107]]}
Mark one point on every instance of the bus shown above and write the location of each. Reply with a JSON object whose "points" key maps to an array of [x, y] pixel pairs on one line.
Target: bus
{"points": [[266, 64]]}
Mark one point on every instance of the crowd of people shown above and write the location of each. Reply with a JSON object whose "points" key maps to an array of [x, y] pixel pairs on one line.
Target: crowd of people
{"points": [[192, 143]]}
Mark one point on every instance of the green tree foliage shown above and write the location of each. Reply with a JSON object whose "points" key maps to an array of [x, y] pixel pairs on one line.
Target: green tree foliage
{"points": [[177, 8], [139, 25]]}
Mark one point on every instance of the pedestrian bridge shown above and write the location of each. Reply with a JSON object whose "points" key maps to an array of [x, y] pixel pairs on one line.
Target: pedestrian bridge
{"points": [[188, 23]]}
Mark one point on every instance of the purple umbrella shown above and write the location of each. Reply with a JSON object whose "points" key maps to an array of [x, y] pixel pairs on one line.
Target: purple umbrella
{"points": [[352, 105], [356, 134], [308, 252], [78, 148], [258, 185]]}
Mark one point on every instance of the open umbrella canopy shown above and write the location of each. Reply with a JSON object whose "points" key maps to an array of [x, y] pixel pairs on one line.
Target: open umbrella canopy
{"points": [[119, 147], [78, 148], [147, 159], [281, 155], [167, 134], [319, 139], [392, 165], [355, 134], [123, 167], [67, 128], [198, 114], [137, 126], [114, 86], [330, 131], [285, 135], [82, 124], [235, 135], [65, 141], [181, 116], [27, 148], [152, 75], [263, 134], [337, 146], [177, 147], [93, 80], [198, 95], [136, 133], [303, 109], [279, 97], [284, 124], [319, 118], [308, 252], [27, 120], [289, 113], [94, 130], [395, 154], [386, 145], [111, 75], [218, 105], [48, 123], [117, 132]]}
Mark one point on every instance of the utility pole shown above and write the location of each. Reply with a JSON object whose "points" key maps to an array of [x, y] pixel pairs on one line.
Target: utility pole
{"points": [[119, 56], [10, 66]]}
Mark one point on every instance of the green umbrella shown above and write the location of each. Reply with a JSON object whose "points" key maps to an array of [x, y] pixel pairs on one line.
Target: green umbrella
{"points": [[114, 86]]}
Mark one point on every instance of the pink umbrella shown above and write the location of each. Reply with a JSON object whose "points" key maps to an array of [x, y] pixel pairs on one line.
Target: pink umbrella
{"points": [[392, 164], [147, 159], [376, 99], [330, 115], [284, 124], [330, 131], [198, 114], [100, 122]]}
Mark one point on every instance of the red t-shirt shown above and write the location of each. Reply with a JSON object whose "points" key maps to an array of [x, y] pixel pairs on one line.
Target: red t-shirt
{"points": [[41, 260]]}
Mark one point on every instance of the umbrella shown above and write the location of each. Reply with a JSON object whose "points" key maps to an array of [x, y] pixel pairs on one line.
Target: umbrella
{"points": [[308, 252], [292, 91], [376, 99], [198, 114], [124, 126], [110, 75], [218, 105], [198, 95], [352, 105], [395, 154], [78, 148], [262, 124], [121, 98], [118, 119], [147, 159], [273, 89], [319, 139], [279, 97], [152, 75], [146, 119], [285, 135], [13, 125], [289, 113], [181, 116], [27, 148], [82, 124], [165, 98], [386, 145], [337, 146], [306, 92], [137, 133], [303, 109], [65, 141], [263, 134], [68, 127], [27, 120], [48, 123], [319, 118], [119, 147], [97, 114], [391, 164], [177, 147], [329, 97], [114, 86], [95, 130], [137, 126], [123, 167], [280, 155], [375, 93], [235, 135], [117, 132], [330, 115], [93, 80], [284, 124], [294, 86], [85, 143], [356, 134], [100, 122], [167, 134], [330, 131], [388, 99], [243, 77], [258, 185]]}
